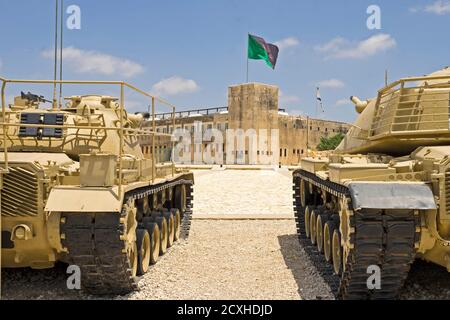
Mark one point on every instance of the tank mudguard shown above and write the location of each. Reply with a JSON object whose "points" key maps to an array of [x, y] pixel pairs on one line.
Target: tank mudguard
{"points": [[76, 199], [388, 195]]}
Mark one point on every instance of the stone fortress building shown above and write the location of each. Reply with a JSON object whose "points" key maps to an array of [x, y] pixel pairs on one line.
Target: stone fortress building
{"points": [[253, 108]]}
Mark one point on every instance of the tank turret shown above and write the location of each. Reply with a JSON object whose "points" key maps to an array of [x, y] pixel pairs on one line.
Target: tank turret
{"points": [[403, 116]]}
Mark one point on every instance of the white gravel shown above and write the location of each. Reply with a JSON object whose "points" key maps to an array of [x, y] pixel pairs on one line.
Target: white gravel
{"points": [[243, 192], [224, 260]]}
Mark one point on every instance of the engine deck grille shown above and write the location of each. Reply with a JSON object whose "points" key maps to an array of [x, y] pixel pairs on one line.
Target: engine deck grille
{"points": [[20, 192]]}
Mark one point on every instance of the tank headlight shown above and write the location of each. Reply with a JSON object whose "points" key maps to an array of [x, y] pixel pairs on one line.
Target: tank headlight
{"points": [[22, 232]]}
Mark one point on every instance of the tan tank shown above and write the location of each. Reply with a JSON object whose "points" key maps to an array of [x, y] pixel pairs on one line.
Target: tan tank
{"points": [[76, 187], [382, 198]]}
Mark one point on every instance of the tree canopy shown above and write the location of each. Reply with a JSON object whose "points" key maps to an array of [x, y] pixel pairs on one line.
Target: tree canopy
{"points": [[330, 143]]}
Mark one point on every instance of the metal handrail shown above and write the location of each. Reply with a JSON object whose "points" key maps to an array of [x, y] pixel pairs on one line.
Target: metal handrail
{"points": [[391, 95], [204, 111], [121, 129], [412, 79]]}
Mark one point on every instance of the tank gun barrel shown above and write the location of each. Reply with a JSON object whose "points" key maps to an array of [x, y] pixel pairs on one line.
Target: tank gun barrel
{"points": [[136, 119], [359, 104]]}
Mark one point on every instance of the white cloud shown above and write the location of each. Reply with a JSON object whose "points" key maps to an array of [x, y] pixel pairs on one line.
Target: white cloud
{"points": [[439, 7], [340, 48], [332, 45], [175, 85], [287, 43], [88, 61], [288, 99], [331, 83], [343, 102]]}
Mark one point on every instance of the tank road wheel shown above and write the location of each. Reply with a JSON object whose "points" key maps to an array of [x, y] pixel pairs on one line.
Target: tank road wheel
{"points": [[177, 224], [305, 195], [144, 250], [162, 225], [143, 206], [179, 197], [346, 229], [133, 259], [155, 241], [170, 228], [337, 252], [307, 213], [320, 226], [328, 230], [129, 234], [155, 238], [312, 226]]}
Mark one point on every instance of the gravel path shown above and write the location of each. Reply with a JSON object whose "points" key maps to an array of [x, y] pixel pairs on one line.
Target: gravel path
{"points": [[224, 260], [230, 259], [246, 192]]}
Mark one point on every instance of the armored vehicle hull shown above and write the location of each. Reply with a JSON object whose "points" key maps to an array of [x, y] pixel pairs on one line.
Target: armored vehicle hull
{"points": [[75, 187], [380, 200]]}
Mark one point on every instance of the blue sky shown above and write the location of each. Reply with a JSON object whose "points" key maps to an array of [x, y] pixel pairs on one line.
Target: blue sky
{"points": [[189, 52]]}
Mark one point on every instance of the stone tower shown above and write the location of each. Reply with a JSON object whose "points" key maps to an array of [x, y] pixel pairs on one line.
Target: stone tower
{"points": [[253, 106]]}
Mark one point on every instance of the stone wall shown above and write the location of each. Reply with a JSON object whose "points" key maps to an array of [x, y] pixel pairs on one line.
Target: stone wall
{"points": [[250, 106]]}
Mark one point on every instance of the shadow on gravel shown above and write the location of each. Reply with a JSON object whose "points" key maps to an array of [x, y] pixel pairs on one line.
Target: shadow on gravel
{"points": [[30, 284], [426, 281], [311, 283]]}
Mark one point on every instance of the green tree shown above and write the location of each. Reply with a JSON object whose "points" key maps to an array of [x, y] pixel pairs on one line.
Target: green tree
{"points": [[330, 143]]}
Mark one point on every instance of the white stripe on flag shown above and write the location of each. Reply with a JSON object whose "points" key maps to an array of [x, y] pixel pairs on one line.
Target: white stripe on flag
{"points": [[318, 95], [319, 98]]}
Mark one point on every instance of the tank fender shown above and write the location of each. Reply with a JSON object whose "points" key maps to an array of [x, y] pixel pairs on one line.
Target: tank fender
{"points": [[76, 199], [388, 195]]}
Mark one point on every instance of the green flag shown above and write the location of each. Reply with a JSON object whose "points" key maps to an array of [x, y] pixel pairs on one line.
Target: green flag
{"points": [[258, 49]]}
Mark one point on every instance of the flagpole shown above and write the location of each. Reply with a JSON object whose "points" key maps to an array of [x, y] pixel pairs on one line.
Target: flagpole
{"points": [[247, 69], [317, 110], [248, 34], [317, 102]]}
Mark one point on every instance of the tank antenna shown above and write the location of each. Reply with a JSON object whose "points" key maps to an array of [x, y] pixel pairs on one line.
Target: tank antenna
{"points": [[386, 77], [54, 104], [61, 54]]}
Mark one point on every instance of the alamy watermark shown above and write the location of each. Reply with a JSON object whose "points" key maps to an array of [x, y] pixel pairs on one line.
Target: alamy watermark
{"points": [[73, 21], [74, 279], [374, 20], [374, 280], [230, 146]]}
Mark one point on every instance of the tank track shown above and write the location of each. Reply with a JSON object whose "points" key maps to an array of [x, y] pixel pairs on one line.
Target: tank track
{"points": [[95, 245], [385, 238], [187, 216]]}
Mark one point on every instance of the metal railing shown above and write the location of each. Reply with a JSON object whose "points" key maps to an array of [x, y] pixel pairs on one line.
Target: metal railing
{"points": [[121, 129], [187, 113], [406, 107]]}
